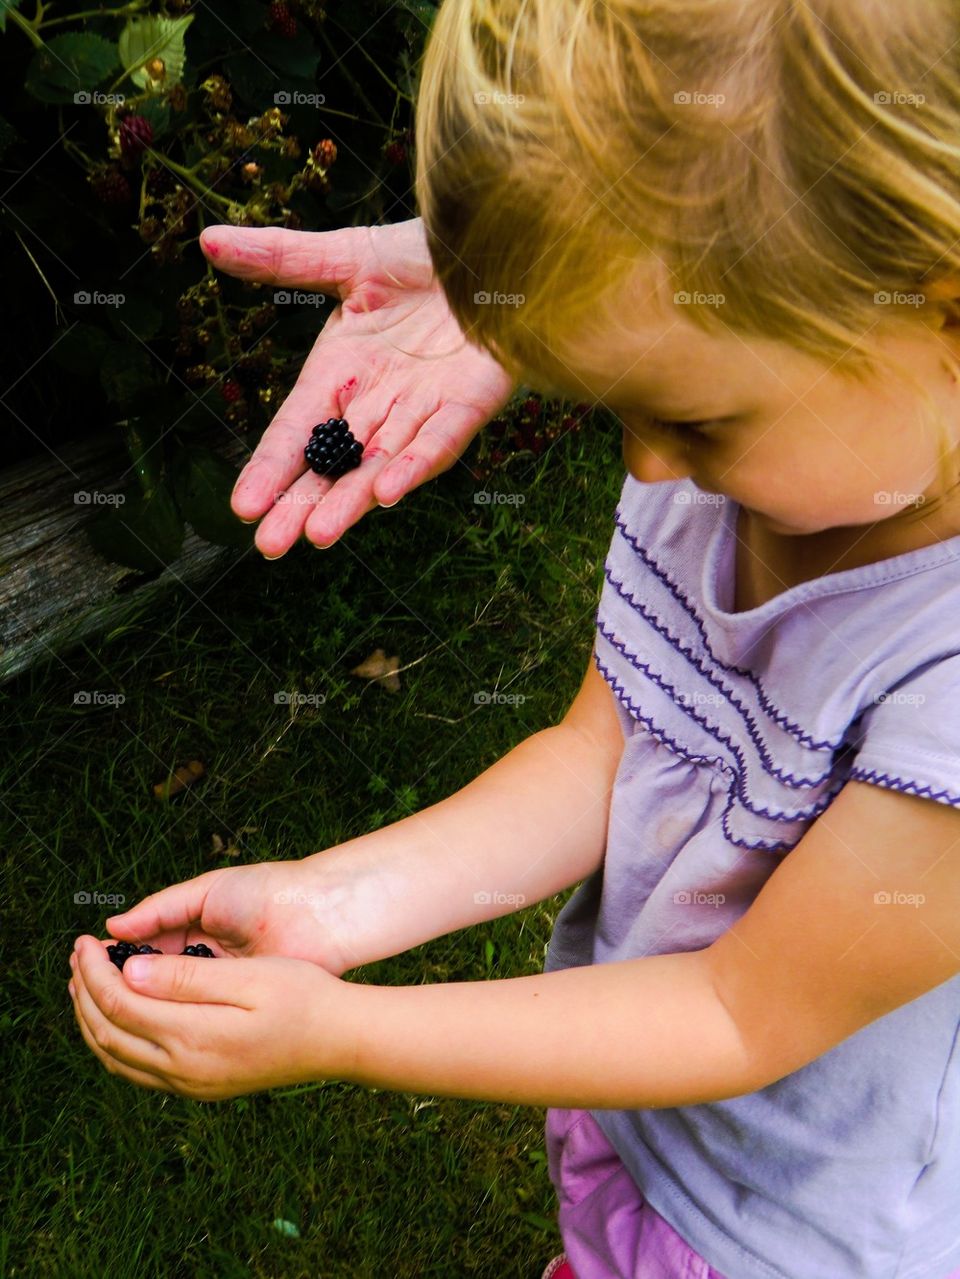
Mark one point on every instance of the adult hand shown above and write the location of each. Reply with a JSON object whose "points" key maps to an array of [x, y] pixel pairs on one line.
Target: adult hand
{"points": [[390, 359]]}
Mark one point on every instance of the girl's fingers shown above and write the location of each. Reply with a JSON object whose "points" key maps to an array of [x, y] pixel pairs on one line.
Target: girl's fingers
{"points": [[319, 260], [114, 1046], [169, 910]]}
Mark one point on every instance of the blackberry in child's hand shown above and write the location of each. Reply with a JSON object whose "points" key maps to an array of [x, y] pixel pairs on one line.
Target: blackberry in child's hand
{"points": [[122, 950], [199, 950], [332, 450]]}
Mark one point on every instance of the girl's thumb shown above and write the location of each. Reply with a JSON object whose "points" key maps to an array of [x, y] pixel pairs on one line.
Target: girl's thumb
{"points": [[138, 967]]}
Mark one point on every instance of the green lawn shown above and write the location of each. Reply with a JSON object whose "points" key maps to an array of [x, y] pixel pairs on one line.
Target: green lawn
{"points": [[103, 1180]]}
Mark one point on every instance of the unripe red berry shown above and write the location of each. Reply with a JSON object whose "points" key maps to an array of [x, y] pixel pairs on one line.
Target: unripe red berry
{"points": [[280, 18], [136, 134], [111, 187]]}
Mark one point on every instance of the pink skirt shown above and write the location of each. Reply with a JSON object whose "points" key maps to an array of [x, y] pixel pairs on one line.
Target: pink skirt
{"points": [[609, 1230]]}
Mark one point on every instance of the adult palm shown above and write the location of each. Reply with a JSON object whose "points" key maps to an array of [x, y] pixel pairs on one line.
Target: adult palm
{"points": [[390, 358]]}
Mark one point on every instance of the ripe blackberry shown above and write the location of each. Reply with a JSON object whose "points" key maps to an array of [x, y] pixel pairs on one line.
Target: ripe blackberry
{"points": [[199, 950], [332, 450], [281, 19], [122, 950]]}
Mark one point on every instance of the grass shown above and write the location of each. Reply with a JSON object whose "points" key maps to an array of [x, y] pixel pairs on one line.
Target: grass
{"points": [[103, 1180]]}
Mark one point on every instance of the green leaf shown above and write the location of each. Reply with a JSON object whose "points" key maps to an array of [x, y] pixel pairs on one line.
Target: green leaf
{"points": [[287, 1228], [203, 482], [143, 532], [82, 349], [158, 113], [143, 39], [126, 370], [70, 65], [139, 314], [4, 6], [8, 134], [293, 57]]}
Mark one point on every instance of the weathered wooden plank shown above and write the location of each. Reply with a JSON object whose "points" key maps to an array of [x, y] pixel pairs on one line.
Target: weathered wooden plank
{"points": [[55, 590]]}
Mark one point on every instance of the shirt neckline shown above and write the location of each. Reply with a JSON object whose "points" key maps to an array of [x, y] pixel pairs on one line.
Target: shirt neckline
{"points": [[719, 570]]}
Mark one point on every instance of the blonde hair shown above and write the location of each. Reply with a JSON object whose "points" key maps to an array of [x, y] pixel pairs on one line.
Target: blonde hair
{"points": [[797, 158]]}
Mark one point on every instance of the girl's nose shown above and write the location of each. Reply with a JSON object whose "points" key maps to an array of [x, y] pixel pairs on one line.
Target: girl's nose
{"points": [[652, 463]]}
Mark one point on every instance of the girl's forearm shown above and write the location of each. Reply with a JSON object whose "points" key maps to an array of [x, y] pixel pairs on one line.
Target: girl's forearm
{"points": [[638, 1033], [531, 825]]}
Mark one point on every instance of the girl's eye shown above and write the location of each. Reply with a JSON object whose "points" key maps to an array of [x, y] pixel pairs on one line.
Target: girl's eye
{"points": [[680, 428]]}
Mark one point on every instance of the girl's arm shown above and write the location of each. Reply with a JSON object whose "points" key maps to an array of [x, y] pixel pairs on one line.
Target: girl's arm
{"points": [[860, 918], [530, 826]]}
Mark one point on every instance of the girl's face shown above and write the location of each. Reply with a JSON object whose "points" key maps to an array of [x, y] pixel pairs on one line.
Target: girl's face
{"points": [[785, 436]]}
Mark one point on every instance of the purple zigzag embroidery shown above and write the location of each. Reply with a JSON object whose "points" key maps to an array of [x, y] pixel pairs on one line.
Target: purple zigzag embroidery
{"points": [[736, 791], [777, 716], [901, 784], [766, 759]]}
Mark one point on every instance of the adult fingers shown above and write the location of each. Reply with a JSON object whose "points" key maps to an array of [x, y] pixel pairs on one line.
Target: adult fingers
{"points": [[351, 497], [318, 260], [437, 445], [284, 522], [320, 392]]}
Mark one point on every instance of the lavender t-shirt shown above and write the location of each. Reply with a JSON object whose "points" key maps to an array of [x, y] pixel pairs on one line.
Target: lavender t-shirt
{"points": [[740, 729]]}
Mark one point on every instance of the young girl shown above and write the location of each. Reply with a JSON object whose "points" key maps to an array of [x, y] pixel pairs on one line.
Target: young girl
{"points": [[737, 224]]}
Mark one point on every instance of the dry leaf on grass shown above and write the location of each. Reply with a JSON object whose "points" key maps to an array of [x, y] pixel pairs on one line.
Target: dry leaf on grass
{"points": [[219, 849], [381, 670], [179, 780]]}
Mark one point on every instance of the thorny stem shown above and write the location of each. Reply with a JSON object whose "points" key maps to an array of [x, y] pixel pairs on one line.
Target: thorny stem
{"points": [[134, 7]]}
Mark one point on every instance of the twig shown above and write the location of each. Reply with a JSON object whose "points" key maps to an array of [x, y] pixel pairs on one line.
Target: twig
{"points": [[56, 304]]}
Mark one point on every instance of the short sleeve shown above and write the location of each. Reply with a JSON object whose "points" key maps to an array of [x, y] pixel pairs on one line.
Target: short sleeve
{"points": [[909, 736]]}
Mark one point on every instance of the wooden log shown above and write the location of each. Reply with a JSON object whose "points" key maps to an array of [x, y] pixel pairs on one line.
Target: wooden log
{"points": [[55, 589]]}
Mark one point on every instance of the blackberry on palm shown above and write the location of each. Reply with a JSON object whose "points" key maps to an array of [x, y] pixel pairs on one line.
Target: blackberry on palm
{"points": [[332, 449]]}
